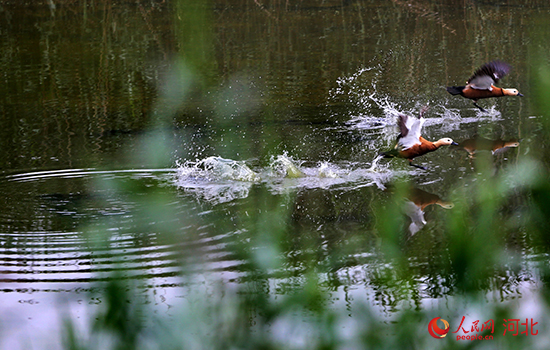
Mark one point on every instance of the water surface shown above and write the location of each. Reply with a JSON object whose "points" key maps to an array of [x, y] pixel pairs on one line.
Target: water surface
{"points": [[171, 144]]}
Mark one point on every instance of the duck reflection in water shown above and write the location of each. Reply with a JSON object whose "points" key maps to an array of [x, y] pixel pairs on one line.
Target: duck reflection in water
{"points": [[481, 144], [410, 144], [415, 205]]}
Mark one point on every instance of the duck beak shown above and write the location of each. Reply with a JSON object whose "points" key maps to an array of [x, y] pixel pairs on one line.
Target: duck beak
{"points": [[520, 94], [454, 143]]}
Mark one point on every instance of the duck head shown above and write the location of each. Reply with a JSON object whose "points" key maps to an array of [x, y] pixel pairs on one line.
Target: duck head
{"points": [[445, 142], [511, 144], [445, 205], [511, 92]]}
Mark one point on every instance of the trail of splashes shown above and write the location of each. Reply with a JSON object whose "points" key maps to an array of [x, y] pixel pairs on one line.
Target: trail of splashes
{"points": [[375, 163], [215, 179], [286, 166], [346, 81], [361, 90], [361, 93], [326, 170], [216, 168], [383, 102], [354, 89], [218, 180]]}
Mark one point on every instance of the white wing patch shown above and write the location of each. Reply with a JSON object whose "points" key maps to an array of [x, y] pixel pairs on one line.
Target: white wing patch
{"points": [[413, 136]]}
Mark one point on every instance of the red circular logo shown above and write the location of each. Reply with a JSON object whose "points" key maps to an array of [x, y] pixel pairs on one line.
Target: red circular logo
{"points": [[437, 332]]}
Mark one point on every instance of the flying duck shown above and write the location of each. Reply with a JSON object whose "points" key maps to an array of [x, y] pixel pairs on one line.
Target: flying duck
{"points": [[409, 142], [481, 83]]}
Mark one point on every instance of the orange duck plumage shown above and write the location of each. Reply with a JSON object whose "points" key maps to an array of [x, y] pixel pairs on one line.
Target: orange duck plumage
{"points": [[409, 142], [481, 83]]}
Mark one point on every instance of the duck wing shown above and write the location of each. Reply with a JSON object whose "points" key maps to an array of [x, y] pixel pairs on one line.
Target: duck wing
{"points": [[410, 131], [489, 74], [404, 123]]}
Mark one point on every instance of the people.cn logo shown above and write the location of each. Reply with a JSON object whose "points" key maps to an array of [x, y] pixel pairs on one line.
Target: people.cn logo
{"points": [[434, 329]]}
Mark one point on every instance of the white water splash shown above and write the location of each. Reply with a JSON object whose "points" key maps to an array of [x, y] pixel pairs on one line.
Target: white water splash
{"points": [[216, 179], [327, 170], [360, 89], [285, 166], [216, 168], [219, 180], [375, 163]]}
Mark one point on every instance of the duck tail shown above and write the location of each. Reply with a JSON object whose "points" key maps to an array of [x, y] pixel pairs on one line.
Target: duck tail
{"points": [[455, 90], [388, 154]]}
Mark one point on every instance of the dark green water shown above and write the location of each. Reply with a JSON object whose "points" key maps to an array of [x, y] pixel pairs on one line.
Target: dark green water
{"points": [[156, 141]]}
